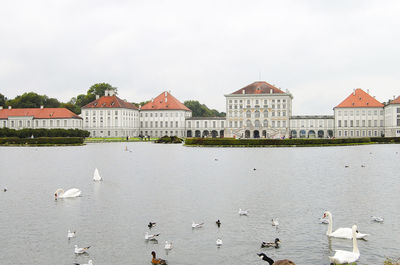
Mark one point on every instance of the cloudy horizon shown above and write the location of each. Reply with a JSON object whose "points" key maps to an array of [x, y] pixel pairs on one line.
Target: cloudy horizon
{"points": [[320, 51]]}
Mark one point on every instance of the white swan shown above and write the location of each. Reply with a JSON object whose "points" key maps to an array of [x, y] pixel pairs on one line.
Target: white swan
{"points": [[71, 234], [96, 175], [71, 193], [243, 212], [90, 262], [377, 219], [168, 245], [342, 256], [340, 232], [194, 225], [275, 222], [80, 250], [219, 242]]}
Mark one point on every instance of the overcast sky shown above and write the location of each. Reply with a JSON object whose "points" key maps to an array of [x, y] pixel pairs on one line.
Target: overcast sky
{"points": [[201, 50]]}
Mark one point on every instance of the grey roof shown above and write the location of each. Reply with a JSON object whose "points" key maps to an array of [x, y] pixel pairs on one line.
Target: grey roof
{"points": [[304, 117], [206, 118]]}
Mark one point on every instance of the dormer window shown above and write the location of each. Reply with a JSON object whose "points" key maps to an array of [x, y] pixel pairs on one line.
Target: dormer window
{"points": [[112, 103]]}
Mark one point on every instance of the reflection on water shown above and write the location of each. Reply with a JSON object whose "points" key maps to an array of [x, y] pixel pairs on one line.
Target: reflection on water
{"points": [[174, 185]]}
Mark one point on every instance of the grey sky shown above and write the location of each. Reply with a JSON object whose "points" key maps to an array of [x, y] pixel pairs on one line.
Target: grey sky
{"points": [[201, 50]]}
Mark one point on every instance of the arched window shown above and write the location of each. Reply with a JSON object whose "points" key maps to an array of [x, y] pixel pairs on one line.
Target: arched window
{"points": [[257, 114], [248, 123], [265, 123], [248, 114], [257, 123], [265, 113]]}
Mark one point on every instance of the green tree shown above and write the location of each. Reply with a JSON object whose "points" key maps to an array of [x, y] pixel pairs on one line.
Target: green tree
{"points": [[201, 110], [100, 88], [140, 103], [27, 100], [3, 100]]}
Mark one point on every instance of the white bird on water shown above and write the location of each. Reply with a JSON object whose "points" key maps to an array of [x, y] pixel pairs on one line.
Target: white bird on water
{"points": [[168, 245], [345, 257], [96, 175], [71, 234], [148, 236], [219, 242], [377, 219], [243, 212], [343, 232], [195, 225], [80, 250], [71, 193], [90, 262], [275, 222]]}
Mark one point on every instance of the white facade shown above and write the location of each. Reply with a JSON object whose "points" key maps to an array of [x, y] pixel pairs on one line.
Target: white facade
{"points": [[205, 127], [318, 126], [392, 120], [158, 123]]}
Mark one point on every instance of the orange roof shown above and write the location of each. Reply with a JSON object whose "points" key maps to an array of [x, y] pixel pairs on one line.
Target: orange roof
{"points": [[164, 101], [395, 101], [260, 87], [359, 99], [110, 102], [38, 113]]}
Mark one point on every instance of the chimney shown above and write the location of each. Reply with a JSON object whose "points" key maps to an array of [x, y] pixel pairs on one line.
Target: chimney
{"points": [[111, 93], [1, 107], [354, 92], [243, 91], [166, 99], [165, 94], [271, 91], [152, 99], [97, 96], [9, 107], [41, 106]]}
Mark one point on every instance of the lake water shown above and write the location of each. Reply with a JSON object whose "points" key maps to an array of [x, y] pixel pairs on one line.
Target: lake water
{"points": [[174, 185]]}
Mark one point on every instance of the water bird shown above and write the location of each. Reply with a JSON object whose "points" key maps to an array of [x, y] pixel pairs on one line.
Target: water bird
{"points": [[96, 175], [274, 244], [254, 169], [272, 262], [151, 224], [168, 245], [218, 222], [148, 236], [80, 250], [194, 225], [362, 165], [5, 189], [346, 166], [219, 242], [216, 159], [71, 193], [345, 257], [243, 212], [154, 260], [90, 262], [377, 219], [275, 222], [71, 234], [340, 232]]}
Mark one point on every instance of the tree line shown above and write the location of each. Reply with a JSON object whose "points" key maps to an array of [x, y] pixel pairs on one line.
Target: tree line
{"points": [[34, 100]]}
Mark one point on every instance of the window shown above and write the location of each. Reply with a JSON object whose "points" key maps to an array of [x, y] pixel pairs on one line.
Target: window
{"points": [[265, 123], [278, 124], [363, 123], [375, 123], [283, 123], [257, 123], [375, 112], [214, 124], [248, 114], [198, 124], [273, 124], [265, 113], [176, 124], [351, 123], [236, 124], [172, 124], [369, 123], [345, 123], [357, 123], [166, 124], [381, 123], [257, 114], [65, 123], [273, 114], [339, 123], [205, 124], [248, 123], [284, 113]]}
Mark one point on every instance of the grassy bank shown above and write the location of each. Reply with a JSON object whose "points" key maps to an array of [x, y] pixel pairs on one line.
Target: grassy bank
{"points": [[115, 139], [230, 142], [41, 141]]}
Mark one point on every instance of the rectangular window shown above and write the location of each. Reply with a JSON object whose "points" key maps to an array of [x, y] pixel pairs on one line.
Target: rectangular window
{"points": [[351, 123], [363, 123], [161, 124], [381, 123], [156, 124], [339, 123], [176, 124], [278, 124], [375, 123], [369, 123], [345, 123], [230, 124], [236, 124]]}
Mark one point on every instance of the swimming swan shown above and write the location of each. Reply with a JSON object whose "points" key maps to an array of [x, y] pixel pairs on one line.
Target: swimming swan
{"points": [[340, 232], [342, 256], [96, 175], [71, 193]]}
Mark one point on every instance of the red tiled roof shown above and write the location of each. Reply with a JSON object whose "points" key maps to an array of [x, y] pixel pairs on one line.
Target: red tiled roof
{"points": [[260, 87], [395, 101], [359, 99], [164, 101], [110, 102], [38, 113]]}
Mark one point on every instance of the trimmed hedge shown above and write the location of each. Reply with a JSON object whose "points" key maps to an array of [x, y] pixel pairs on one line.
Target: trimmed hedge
{"points": [[25, 133], [275, 142], [42, 141], [169, 140]]}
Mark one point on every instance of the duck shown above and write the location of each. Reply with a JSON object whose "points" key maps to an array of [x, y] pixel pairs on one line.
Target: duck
{"points": [[218, 222], [362, 165], [147, 236], [218, 242], [80, 250], [345, 257], [154, 260], [90, 262], [151, 224], [377, 219], [254, 169], [274, 244], [272, 262], [168, 245], [5, 189], [96, 175], [71, 234], [341, 232], [275, 222], [194, 225], [346, 166], [243, 212], [71, 193]]}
